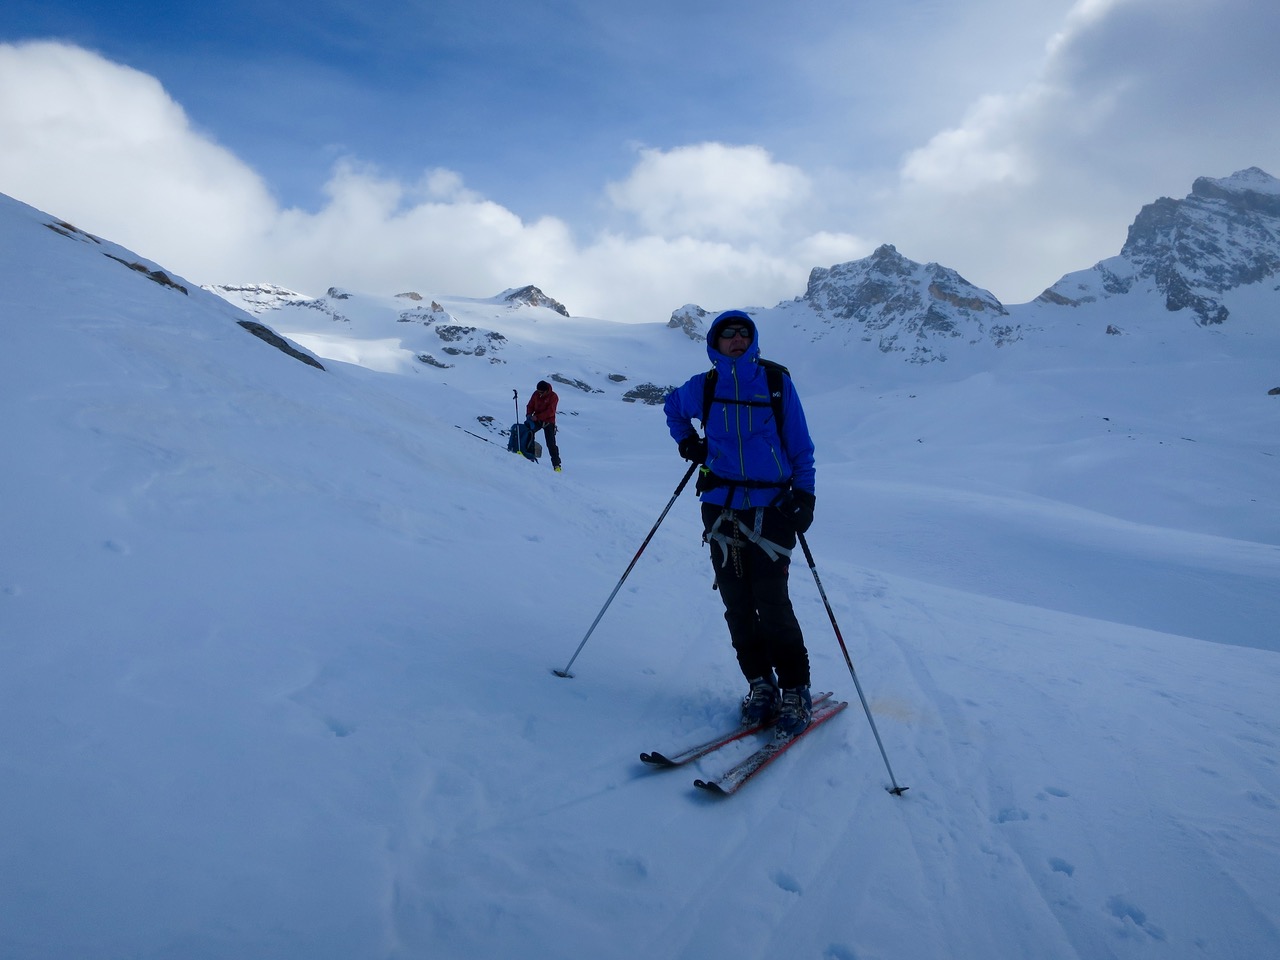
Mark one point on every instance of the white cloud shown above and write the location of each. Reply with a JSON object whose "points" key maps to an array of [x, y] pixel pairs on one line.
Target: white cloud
{"points": [[1134, 99], [90, 139], [978, 153], [711, 190], [105, 147], [375, 234], [1083, 15]]}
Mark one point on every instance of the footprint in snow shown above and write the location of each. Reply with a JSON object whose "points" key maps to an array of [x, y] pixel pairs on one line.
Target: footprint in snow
{"points": [[338, 727], [1011, 815], [1132, 918], [786, 882]]}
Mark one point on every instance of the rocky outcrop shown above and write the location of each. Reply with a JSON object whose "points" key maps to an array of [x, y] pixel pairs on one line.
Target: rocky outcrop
{"points": [[533, 297], [692, 319], [267, 335]]}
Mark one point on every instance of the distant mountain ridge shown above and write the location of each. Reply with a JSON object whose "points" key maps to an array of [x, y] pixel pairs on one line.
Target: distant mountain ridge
{"points": [[1188, 253], [1183, 254]]}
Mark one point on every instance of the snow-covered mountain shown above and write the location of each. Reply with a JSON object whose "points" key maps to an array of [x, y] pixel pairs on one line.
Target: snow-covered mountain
{"points": [[1224, 236], [275, 638]]}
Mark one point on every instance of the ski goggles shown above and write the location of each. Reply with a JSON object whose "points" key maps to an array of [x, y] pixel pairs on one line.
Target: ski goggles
{"points": [[731, 330]]}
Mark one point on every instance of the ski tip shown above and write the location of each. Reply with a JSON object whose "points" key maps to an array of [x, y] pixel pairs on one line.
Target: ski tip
{"points": [[655, 760], [562, 673], [711, 787]]}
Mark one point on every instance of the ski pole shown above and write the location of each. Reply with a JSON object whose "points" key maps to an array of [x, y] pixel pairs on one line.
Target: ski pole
{"points": [[478, 437], [687, 474], [897, 791]]}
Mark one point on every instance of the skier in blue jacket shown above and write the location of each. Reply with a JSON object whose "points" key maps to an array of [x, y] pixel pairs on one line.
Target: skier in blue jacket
{"points": [[757, 491]]}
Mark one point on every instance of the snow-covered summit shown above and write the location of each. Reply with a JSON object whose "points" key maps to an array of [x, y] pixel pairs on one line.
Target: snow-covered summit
{"points": [[1242, 183]]}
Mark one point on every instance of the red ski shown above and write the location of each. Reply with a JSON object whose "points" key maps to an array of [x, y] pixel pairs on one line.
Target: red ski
{"points": [[733, 779], [689, 754]]}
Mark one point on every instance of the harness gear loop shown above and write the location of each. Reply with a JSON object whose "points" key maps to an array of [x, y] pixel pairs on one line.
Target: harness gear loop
{"points": [[738, 535]]}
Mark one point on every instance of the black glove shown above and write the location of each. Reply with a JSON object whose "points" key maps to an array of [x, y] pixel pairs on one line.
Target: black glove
{"points": [[797, 507], [694, 448]]}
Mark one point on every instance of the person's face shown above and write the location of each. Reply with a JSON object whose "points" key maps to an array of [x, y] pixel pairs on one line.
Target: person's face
{"points": [[733, 338]]}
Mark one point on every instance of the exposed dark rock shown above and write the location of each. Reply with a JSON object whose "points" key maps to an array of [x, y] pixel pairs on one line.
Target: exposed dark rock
{"points": [[158, 276], [267, 335], [691, 319], [647, 393], [576, 384]]}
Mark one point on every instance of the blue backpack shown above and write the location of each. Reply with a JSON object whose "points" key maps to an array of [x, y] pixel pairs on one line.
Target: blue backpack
{"points": [[521, 441]]}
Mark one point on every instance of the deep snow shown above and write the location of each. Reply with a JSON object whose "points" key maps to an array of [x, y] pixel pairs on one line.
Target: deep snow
{"points": [[275, 642]]}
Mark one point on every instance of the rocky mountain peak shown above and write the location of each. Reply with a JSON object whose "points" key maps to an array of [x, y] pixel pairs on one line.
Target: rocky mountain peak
{"points": [[905, 306]]}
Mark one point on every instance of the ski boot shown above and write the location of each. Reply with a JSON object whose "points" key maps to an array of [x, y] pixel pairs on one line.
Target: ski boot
{"points": [[796, 711], [760, 705]]}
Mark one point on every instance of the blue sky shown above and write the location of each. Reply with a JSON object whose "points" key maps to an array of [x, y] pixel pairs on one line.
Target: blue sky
{"points": [[627, 160]]}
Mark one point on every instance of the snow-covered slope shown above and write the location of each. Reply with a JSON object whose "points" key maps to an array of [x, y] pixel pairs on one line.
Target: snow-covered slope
{"points": [[274, 639]]}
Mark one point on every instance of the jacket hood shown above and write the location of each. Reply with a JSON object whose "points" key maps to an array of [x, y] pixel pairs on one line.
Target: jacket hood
{"points": [[753, 351]]}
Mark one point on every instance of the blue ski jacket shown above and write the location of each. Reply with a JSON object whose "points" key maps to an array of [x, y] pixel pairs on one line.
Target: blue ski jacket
{"points": [[744, 442]]}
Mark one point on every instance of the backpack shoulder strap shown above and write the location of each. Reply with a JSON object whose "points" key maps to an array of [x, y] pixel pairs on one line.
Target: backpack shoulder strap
{"points": [[708, 393], [774, 373]]}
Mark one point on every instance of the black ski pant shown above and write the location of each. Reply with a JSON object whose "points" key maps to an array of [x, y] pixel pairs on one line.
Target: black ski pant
{"points": [[757, 605], [549, 434]]}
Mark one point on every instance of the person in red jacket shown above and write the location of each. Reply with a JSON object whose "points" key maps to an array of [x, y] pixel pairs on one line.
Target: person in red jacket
{"points": [[540, 412]]}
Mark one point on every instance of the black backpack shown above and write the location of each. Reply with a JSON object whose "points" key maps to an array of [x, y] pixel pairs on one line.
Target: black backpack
{"points": [[774, 372]]}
